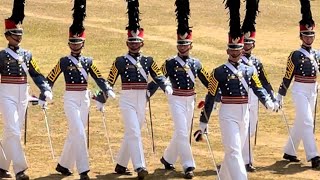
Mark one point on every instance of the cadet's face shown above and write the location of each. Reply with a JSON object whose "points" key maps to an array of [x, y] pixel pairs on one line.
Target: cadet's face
{"points": [[307, 40], [234, 55], [184, 49], [248, 47], [134, 47], [14, 40], [76, 48]]}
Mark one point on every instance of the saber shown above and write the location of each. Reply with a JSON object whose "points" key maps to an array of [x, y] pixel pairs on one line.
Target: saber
{"points": [[25, 126], [88, 132], [212, 156], [2, 150], [48, 131], [107, 134], [249, 142], [315, 113], [256, 133], [287, 125], [151, 127]]}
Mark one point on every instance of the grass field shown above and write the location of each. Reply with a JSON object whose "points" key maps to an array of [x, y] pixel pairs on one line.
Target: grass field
{"points": [[46, 34]]}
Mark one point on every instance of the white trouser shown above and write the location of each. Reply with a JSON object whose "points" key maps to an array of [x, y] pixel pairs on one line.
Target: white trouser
{"points": [[76, 107], [13, 105], [132, 106], [234, 119], [182, 108], [304, 98], [253, 120]]}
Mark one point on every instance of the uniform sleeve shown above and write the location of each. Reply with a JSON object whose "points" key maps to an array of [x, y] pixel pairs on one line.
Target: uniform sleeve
{"points": [[288, 76], [54, 74], [210, 98], [113, 74], [37, 77], [258, 89], [157, 75], [153, 86], [203, 75], [96, 75], [264, 80]]}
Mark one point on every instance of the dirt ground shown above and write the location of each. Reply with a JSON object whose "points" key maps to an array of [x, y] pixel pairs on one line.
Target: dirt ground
{"points": [[46, 31]]}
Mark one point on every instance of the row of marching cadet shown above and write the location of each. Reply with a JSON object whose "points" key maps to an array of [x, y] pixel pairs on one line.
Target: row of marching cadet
{"points": [[238, 84]]}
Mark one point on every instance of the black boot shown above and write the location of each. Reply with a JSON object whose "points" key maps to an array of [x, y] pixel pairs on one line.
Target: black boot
{"points": [[64, 171], [84, 176], [167, 165], [315, 162], [188, 173], [250, 168], [5, 174], [22, 176], [142, 172], [122, 170], [290, 158]]}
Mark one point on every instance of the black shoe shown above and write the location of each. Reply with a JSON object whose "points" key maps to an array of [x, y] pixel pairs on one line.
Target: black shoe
{"points": [[64, 171], [122, 170], [290, 158], [22, 176], [142, 172], [250, 168], [315, 162], [188, 173], [167, 165], [84, 176], [5, 174]]}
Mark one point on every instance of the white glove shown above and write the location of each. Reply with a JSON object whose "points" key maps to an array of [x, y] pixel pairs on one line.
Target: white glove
{"points": [[276, 106], [43, 104], [111, 94], [100, 106], [48, 95], [270, 105], [168, 90], [203, 127], [280, 99]]}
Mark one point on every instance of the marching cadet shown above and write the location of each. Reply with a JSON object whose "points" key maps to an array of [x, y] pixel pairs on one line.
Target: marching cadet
{"points": [[182, 70], [76, 68], [303, 66], [15, 65], [249, 59], [234, 79], [134, 69]]}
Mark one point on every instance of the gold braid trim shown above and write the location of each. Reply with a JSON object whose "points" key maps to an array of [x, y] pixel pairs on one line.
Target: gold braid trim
{"points": [[164, 69], [156, 69], [113, 74], [213, 84], [290, 68], [205, 72], [54, 73], [95, 70], [34, 64], [256, 80]]}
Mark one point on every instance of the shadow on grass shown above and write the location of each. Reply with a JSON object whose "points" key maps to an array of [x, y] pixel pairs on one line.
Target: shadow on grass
{"points": [[284, 167], [158, 174], [51, 177]]}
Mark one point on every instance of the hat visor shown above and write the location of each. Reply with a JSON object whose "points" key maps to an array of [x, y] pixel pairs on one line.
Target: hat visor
{"points": [[183, 42], [235, 46], [76, 40], [135, 40], [17, 32], [249, 41], [308, 33]]}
